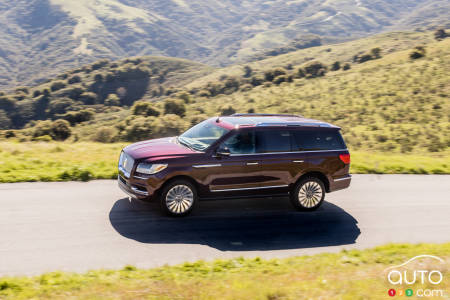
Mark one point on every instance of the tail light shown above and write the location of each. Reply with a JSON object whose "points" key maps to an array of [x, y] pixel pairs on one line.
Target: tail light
{"points": [[345, 158]]}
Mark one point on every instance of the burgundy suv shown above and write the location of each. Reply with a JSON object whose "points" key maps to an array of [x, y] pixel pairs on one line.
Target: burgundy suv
{"points": [[243, 155]]}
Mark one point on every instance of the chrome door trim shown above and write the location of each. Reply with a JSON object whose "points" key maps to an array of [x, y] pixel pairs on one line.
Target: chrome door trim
{"points": [[252, 163], [207, 166], [289, 152], [250, 188], [344, 178], [298, 161]]}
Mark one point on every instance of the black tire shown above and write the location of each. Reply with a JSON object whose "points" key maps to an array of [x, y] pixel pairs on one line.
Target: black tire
{"points": [[312, 194], [178, 198]]}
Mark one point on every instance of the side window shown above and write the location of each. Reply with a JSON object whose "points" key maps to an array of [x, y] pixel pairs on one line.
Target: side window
{"points": [[241, 143], [310, 140], [268, 141]]}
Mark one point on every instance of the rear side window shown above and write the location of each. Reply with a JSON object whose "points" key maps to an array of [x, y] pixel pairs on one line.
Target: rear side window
{"points": [[268, 141], [310, 140]]}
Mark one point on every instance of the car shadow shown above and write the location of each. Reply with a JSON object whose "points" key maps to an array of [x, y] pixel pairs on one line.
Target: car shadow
{"points": [[237, 225]]}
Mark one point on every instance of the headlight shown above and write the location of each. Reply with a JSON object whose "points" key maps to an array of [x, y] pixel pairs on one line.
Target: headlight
{"points": [[149, 169]]}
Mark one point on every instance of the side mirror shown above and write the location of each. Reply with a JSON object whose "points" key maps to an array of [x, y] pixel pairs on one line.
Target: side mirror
{"points": [[223, 152]]}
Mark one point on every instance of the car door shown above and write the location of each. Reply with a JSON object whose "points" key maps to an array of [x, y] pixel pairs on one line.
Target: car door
{"points": [[277, 160], [241, 169]]}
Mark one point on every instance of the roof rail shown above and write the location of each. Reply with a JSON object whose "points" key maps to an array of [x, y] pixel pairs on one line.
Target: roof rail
{"points": [[265, 115]]}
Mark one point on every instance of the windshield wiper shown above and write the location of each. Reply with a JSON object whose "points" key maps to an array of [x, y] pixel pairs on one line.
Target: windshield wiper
{"points": [[183, 142]]}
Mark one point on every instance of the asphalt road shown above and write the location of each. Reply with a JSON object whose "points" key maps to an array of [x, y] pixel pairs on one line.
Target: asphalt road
{"points": [[76, 226]]}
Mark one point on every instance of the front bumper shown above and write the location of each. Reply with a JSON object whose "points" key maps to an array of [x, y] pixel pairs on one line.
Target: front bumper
{"points": [[131, 190]]}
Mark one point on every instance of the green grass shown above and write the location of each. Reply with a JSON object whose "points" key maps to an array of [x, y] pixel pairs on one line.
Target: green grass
{"points": [[350, 274], [57, 161]]}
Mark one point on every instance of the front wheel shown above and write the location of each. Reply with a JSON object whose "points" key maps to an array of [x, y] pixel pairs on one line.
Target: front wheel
{"points": [[308, 194], [178, 198]]}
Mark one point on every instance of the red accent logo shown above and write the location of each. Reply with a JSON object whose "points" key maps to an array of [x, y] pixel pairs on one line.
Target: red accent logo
{"points": [[391, 292]]}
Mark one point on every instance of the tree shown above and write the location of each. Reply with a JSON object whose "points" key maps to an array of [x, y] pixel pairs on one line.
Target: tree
{"points": [[440, 34], [60, 130], [315, 69], [376, 53], [335, 66], [57, 85], [247, 71], [228, 111], [174, 106], [418, 52], [112, 100], [143, 108], [74, 79]]}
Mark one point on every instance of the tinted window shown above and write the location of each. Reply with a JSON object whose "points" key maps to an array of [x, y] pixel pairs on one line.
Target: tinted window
{"points": [[273, 141], [309, 140], [241, 143]]}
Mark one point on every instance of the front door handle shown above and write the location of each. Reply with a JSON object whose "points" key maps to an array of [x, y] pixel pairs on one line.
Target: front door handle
{"points": [[252, 163]]}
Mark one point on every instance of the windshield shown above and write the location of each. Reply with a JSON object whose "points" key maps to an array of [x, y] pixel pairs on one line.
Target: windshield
{"points": [[202, 135]]}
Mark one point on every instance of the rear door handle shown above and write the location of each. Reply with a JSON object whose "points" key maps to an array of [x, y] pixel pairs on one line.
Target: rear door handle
{"points": [[298, 161], [252, 163]]}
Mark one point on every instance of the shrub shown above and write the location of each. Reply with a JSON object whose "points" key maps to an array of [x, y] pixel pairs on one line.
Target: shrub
{"points": [[271, 74], [143, 108], [280, 79], [418, 52], [98, 77], [169, 125], [112, 100], [174, 106], [440, 34], [36, 93], [5, 121], [75, 117], [335, 66], [346, 67], [246, 87], [71, 92], [315, 69], [57, 85], [138, 128], [60, 130], [59, 106], [105, 135], [247, 71], [376, 53], [74, 79], [256, 80], [204, 93], [227, 111], [88, 98], [22, 89]]}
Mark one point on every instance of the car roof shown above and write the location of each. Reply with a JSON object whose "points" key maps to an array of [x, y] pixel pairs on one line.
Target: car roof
{"points": [[270, 120]]}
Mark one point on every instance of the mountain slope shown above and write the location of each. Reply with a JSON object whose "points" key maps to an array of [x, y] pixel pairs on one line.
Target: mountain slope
{"points": [[40, 38]]}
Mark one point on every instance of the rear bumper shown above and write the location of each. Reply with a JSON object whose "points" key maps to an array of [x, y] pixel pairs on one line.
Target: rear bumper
{"points": [[132, 190], [340, 183]]}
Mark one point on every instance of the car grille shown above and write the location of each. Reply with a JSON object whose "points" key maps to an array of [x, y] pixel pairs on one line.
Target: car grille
{"points": [[126, 163]]}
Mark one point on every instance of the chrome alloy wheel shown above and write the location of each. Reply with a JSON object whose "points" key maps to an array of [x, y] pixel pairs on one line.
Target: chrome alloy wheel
{"points": [[179, 199], [310, 194]]}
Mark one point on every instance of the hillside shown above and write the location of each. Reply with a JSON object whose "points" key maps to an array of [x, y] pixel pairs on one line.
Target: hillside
{"points": [[42, 38], [382, 97]]}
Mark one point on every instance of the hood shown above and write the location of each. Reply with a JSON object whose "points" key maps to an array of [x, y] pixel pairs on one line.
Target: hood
{"points": [[166, 147]]}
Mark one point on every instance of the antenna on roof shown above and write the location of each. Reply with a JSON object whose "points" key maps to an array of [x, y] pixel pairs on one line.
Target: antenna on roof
{"points": [[218, 119]]}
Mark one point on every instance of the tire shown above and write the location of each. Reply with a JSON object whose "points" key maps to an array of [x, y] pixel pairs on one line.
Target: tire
{"points": [[178, 198], [308, 194]]}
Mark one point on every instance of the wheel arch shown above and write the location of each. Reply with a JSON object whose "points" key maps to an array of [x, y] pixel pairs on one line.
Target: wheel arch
{"points": [[318, 175], [178, 177]]}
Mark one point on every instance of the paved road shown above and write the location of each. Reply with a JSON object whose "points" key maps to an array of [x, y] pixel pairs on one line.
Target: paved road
{"points": [[80, 226]]}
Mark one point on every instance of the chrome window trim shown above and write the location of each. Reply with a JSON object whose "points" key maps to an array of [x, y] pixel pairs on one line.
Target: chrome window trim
{"points": [[250, 188], [290, 152], [207, 166], [344, 178], [139, 177]]}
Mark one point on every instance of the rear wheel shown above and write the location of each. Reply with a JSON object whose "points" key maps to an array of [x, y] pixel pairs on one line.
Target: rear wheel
{"points": [[308, 194], [178, 198]]}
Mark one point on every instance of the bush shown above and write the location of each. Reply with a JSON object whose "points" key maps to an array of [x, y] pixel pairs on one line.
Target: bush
{"points": [[228, 111], [280, 79], [71, 92], [138, 128], [247, 71], [335, 66], [440, 34], [74, 79], [143, 108], [60, 130], [57, 85], [5, 121], [376, 53], [256, 80], [75, 117], [346, 67], [88, 98], [271, 74], [418, 52], [315, 69], [112, 100], [59, 106], [169, 125], [174, 106], [105, 135]]}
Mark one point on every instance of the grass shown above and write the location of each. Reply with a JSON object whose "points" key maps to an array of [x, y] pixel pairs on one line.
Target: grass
{"points": [[353, 274], [57, 161]]}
